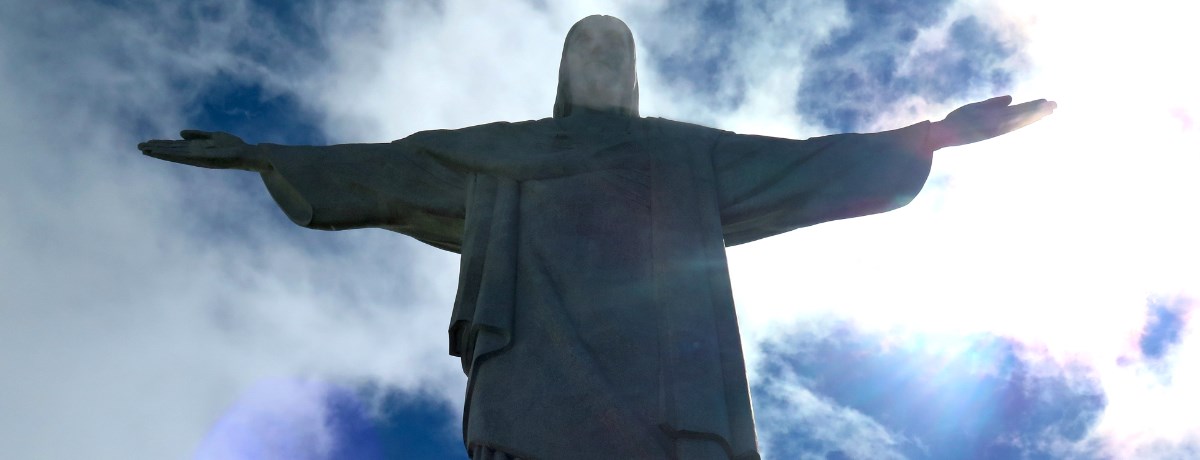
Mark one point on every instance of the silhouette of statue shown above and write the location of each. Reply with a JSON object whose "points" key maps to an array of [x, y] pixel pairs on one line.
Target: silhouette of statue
{"points": [[594, 316]]}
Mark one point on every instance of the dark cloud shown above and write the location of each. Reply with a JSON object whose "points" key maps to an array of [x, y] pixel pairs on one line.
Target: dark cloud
{"points": [[700, 57], [851, 72], [1164, 326], [968, 399], [867, 66]]}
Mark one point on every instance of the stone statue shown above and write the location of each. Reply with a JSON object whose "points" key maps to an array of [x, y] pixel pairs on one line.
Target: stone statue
{"points": [[594, 317]]}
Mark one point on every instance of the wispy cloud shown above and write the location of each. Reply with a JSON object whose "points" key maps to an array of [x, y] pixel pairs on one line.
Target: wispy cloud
{"points": [[934, 396], [141, 298]]}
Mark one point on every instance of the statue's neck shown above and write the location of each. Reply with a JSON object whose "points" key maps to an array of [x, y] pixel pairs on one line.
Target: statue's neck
{"points": [[586, 119]]}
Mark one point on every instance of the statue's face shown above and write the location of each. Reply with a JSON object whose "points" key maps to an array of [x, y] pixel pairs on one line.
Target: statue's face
{"points": [[599, 62]]}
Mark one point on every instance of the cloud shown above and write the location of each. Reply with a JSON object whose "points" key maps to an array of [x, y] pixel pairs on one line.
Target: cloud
{"points": [[795, 422], [729, 64], [697, 50], [140, 298], [798, 69], [889, 53], [1164, 326], [920, 397]]}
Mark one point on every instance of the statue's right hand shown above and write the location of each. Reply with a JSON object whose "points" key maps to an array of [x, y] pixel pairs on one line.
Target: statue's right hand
{"points": [[208, 150]]}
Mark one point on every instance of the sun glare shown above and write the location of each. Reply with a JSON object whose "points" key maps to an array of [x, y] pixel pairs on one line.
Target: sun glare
{"points": [[1059, 236]]}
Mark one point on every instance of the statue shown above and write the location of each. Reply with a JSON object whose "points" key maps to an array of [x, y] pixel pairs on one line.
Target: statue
{"points": [[594, 316]]}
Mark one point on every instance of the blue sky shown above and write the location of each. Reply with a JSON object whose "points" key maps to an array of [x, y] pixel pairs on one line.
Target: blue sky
{"points": [[1038, 300]]}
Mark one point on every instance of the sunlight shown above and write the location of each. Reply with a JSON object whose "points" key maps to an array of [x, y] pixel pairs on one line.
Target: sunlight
{"points": [[1056, 236]]}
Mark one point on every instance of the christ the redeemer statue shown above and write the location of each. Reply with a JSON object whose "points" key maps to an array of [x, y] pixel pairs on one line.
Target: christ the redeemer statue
{"points": [[594, 316]]}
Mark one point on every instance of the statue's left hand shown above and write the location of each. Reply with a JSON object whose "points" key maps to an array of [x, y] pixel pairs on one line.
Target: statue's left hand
{"points": [[206, 149], [986, 119]]}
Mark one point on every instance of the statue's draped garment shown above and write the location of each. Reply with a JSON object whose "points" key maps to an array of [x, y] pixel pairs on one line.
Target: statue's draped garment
{"points": [[594, 316]]}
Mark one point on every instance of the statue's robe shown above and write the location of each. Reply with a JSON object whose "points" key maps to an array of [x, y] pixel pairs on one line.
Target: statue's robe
{"points": [[594, 317]]}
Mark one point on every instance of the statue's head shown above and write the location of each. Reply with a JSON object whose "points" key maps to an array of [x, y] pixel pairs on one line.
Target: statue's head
{"points": [[597, 69]]}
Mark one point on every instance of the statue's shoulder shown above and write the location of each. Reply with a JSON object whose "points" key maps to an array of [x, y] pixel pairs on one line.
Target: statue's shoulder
{"points": [[487, 131], [544, 123], [670, 127]]}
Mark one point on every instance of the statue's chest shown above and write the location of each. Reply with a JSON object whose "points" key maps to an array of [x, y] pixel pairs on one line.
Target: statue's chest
{"points": [[602, 216]]}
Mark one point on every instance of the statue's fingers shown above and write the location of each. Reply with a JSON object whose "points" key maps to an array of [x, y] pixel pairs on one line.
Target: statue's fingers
{"points": [[999, 101], [1040, 106], [176, 154], [159, 149], [156, 149], [150, 146], [194, 134], [1025, 113]]}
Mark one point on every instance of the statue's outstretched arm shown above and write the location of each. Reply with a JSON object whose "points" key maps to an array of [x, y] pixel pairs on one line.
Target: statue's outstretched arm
{"points": [[767, 186], [394, 186]]}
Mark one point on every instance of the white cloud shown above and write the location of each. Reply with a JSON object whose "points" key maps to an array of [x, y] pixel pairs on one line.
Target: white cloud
{"points": [[131, 320], [806, 423]]}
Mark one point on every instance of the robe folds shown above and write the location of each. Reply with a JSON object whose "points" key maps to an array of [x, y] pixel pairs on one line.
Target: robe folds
{"points": [[594, 316]]}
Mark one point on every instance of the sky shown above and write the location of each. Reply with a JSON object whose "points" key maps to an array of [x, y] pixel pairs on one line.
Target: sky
{"points": [[1037, 300]]}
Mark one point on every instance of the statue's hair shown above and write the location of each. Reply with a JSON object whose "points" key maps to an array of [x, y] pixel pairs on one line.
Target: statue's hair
{"points": [[562, 102]]}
